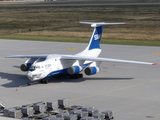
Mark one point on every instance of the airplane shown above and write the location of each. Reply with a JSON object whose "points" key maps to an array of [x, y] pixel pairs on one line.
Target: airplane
{"points": [[41, 67]]}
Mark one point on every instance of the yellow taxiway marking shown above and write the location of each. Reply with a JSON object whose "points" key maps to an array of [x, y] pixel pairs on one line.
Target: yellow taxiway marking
{"points": [[114, 90], [156, 53], [71, 48], [156, 115], [153, 116]]}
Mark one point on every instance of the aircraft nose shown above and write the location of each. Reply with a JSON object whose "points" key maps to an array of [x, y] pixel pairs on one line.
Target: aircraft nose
{"points": [[29, 75], [32, 76]]}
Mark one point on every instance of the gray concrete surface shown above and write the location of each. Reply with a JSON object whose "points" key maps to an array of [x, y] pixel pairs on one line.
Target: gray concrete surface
{"points": [[130, 90]]}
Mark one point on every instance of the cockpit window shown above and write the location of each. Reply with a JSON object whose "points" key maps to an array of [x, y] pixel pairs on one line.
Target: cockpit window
{"points": [[32, 68]]}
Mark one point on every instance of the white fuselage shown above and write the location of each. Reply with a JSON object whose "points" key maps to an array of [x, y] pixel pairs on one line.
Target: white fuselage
{"points": [[53, 65]]}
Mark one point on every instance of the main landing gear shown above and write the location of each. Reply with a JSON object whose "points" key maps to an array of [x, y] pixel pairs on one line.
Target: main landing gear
{"points": [[76, 76]]}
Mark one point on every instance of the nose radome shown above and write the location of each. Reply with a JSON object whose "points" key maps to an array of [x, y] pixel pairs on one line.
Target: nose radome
{"points": [[33, 76], [29, 75]]}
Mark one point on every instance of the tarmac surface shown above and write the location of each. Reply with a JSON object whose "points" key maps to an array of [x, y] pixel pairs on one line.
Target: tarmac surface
{"points": [[130, 90]]}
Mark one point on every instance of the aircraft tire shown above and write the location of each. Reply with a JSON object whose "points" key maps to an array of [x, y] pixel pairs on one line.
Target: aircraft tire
{"points": [[76, 76], [44, 81], [80, 75]]}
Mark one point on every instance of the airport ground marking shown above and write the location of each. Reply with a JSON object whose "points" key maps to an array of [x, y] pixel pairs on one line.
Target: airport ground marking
{"points": [[71, 48], [156, 115], [156, 53], [115, 91], [153, 116]]}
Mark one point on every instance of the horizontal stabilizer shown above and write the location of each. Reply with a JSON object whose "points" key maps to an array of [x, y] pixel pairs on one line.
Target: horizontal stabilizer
{"points": [[102, 23]]}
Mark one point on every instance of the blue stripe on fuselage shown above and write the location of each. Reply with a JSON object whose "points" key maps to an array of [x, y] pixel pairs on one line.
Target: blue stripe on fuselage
{"points": [[58, 72], [64, 71]]}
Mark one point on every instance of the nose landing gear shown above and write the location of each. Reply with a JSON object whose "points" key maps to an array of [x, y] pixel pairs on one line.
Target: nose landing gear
{"points": [[44, 81]]}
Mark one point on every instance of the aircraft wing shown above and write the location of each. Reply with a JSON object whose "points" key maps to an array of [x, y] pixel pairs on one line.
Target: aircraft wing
{"points": [[76, 57], [28, 56]]}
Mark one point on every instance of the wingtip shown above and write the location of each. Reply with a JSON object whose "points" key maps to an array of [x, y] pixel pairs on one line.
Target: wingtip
{"points": [[154, 63], [127, 23]]}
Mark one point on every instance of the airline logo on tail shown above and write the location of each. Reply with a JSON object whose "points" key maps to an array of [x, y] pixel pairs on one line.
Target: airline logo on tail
{"points": [[96, 37]]}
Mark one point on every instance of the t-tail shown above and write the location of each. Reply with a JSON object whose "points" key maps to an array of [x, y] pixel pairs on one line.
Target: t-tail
{"points": [[93, 49]]}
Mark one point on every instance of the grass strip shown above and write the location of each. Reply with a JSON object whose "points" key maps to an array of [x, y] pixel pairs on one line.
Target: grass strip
{"points": [[83, 40]]}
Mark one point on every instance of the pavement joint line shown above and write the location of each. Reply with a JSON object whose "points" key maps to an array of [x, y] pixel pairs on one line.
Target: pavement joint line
{"points": [[115, 91]]}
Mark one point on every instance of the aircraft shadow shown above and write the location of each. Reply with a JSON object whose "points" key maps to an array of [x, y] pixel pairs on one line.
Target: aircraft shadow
{"points": [[17, 67], [58, 80], [17, 80]]}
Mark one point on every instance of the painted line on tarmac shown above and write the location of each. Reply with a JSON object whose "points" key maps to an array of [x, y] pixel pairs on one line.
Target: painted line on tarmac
{"points": [[153, 116], [71, 48], [132, 86], [156, 53], [156, 115]]}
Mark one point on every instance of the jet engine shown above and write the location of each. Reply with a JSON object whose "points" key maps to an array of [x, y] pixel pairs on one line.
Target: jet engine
{"points": [[91, 70], [74, 70], [25, 67]]}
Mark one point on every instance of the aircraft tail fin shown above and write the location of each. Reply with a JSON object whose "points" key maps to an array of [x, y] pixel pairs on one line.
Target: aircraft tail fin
{"points": [[95, 39]]}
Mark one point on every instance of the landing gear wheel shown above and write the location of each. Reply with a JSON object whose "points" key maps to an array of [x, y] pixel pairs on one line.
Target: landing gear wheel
{"points": [[44, 81], [76, 76], [80, 75]]}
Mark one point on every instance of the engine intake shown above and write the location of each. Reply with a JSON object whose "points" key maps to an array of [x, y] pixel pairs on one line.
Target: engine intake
{"points": [[24, 67], [91, 70], [74, 70]]}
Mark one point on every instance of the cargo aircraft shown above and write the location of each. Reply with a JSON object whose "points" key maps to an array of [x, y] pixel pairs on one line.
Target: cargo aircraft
{"points": [[41, 67]]}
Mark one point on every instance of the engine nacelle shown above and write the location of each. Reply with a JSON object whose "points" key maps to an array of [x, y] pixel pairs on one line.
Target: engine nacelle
{"points": [[91, 70], [25, 67], [74, 70]]}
